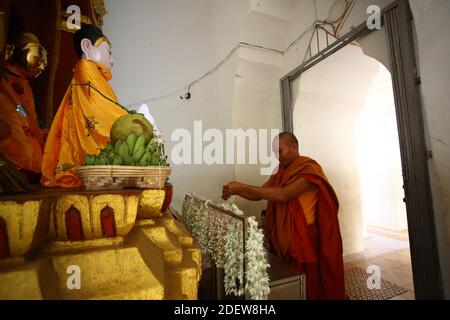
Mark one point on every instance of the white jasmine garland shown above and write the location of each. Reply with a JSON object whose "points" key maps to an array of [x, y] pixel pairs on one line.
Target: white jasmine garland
{"points": [[234, 270], [208, 227], [231, 206], [160, 144], [257, 284], [159, 137], [221, 237]]}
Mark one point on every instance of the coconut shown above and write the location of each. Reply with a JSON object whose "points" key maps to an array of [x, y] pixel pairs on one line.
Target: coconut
{"points": [[133, 122]]}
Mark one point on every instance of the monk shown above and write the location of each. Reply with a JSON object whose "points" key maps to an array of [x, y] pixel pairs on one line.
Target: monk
{"points": [[89, 108], [21, 135], [301, 223]]}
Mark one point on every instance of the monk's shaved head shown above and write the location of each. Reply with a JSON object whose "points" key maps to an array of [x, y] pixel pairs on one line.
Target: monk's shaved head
{"points": [[285, 146], [288, 138]]}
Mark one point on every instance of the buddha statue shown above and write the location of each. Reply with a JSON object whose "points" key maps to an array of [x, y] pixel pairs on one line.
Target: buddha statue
{"points": [[89, 108], [21, 138]]}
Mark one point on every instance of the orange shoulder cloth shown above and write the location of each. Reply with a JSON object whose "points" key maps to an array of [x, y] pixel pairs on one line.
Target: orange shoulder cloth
{"points": [[280, 221], [81, 125]]}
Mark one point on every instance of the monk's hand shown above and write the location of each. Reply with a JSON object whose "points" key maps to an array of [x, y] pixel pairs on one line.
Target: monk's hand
{"points": [[231, 189]]}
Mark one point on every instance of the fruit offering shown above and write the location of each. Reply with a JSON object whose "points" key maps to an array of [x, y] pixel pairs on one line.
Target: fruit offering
{"points": [[132, 151]]}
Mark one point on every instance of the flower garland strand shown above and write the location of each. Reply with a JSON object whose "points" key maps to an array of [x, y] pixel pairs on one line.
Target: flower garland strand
{"points": [[234, 270], [257, 284], [221, 237]]}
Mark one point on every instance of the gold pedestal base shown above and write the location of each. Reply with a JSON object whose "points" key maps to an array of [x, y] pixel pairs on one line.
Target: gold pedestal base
{"points": [[181, 260], [156, 259]]}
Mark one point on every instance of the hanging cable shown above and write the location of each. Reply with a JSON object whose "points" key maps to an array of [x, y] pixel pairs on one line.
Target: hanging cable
{"points": [[349, 6], [313, 27]]}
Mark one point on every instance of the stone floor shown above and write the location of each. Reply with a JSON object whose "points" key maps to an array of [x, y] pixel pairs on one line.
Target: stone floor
{"points": [[390, 251]]}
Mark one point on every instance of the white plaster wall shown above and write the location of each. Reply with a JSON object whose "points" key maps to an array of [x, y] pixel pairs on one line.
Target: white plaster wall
{"points": [[379, 157], [328, 100], [256, 103], [255, 106], [160, 46]]}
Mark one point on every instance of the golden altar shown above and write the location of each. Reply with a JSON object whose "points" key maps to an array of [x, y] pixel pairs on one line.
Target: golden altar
{"points": [[120, 241]]}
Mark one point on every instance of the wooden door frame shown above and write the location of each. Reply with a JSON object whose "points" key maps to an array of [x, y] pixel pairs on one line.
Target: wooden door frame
{"points": [[397, 19]]}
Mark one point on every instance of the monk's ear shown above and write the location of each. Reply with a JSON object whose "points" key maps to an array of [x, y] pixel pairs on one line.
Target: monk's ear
{"points": [[86, 47]]}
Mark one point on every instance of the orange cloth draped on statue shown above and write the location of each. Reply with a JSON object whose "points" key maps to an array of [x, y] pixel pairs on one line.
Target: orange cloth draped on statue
{"points": [[24, 146], [316, 249], [81, 125]]}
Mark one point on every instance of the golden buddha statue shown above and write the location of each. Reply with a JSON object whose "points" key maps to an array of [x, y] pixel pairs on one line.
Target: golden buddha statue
{"points": [[21, 138], [88, 110]]}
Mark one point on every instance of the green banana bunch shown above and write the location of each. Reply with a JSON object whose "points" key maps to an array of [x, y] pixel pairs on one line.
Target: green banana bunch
{"points": [[140, 143], [155, 160], [89, 160], [132, 152], [110, 157], [117, 161], [100, 161], [138, 153], [124, 151], [131, 141], [145, 159], [152, 145], [127, 160], [117, 146], [108, 148]]}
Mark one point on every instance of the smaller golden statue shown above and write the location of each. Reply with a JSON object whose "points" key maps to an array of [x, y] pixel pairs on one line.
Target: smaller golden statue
{"points": [[21, 138]]}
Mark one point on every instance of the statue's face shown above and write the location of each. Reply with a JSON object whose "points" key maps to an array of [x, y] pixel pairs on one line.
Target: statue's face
{"points": [[100, 53], [35, 58], [29, 55]]}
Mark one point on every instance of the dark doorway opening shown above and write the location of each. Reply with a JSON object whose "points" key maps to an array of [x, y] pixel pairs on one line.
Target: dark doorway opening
{"points": [[108, 222], [74, 227]]}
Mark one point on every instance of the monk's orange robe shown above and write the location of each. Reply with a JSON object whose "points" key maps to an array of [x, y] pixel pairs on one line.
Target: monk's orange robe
{"points": [[82, 124], [315, 249], [24, 146]]}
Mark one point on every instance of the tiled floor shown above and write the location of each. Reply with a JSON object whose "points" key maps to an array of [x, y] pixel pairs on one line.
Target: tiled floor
{"points": [[390, 251]]}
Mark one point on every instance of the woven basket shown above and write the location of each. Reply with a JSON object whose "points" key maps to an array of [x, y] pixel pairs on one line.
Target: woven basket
{"points": [[120, 177]]}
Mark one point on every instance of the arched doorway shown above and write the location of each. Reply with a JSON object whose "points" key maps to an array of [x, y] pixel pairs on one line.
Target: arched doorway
{"points": [[397, 21], [108, 222], [74, 226]]}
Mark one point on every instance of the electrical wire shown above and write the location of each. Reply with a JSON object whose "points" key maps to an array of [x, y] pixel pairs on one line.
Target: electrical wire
{"points": [[223, 61], [349, 7], [341, 16], [315, 9], [313, 27]]}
